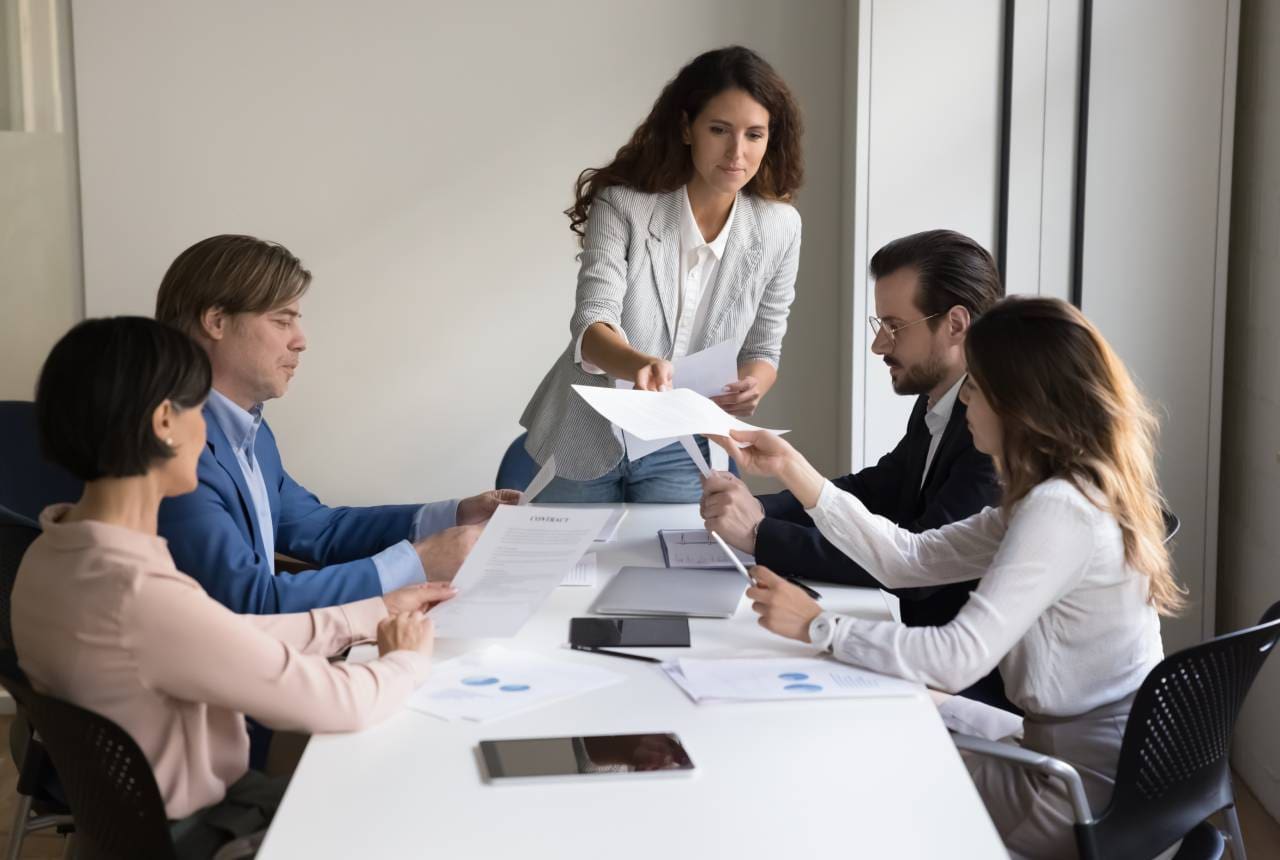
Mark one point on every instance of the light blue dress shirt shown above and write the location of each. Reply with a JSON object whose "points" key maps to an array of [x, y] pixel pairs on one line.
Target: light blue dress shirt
{"points": [[398, 565]]}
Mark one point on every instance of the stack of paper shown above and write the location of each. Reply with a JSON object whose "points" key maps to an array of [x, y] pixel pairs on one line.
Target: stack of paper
{"points": [[583, 573], [752, 680], [495, 683]]}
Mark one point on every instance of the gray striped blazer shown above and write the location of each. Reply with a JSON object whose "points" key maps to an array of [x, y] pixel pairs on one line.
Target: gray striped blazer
{"points": [[629, 268]]}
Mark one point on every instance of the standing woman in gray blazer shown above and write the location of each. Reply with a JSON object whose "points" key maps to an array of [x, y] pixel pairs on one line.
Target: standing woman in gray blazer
{"points": [[688, 240]]}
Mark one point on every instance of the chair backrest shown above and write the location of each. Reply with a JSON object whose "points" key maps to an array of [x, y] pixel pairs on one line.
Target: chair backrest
{"points": [[109, 785], [1171, 524], [1174, 770], [517, 468], [28, 482], [16, 534]]}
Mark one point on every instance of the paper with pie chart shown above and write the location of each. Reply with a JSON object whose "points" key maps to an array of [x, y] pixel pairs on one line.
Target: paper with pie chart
{"points": [[497, 682], [755, 680]]}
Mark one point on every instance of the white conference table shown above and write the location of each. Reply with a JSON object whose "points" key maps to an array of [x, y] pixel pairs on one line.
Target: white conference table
{"points": [[835, 778]]}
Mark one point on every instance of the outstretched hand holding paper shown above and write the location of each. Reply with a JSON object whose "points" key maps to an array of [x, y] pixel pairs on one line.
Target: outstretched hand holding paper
{"points": [[662, 414]]}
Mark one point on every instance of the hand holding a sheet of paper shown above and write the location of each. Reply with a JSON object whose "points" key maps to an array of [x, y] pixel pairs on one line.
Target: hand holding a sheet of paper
{"points": [[761, 452], [444, 552], [783, 608], [741, 397], [406, 631], [476, 510], [656, 375]]}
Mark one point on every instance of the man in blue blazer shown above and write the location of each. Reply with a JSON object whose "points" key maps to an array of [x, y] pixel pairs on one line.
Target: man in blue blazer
{"points": [[239, 298], [929, 288]]}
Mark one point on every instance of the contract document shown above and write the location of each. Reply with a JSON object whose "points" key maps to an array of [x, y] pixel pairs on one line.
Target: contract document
{"points": [[523, 554], [652, 415]]}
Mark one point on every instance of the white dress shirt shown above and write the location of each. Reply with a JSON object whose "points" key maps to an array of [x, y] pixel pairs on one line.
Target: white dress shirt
{"points": [[937, 419], [1057, 607], [699, 264]]}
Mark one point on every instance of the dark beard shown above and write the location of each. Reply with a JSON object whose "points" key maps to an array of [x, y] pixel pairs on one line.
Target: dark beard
{"points": [[922, 378]]}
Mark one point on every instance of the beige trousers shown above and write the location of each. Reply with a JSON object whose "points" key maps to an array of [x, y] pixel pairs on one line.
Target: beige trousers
{"points": [[1032, 812]]}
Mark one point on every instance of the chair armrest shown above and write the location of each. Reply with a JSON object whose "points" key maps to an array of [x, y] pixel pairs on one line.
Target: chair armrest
{"points": [[1033, 760]]}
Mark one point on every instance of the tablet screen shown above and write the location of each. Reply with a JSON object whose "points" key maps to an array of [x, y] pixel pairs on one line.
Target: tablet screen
{"points": [[597, 754]]}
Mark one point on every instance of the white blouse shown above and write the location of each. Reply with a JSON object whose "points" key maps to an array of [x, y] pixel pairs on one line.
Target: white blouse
{"points": [[1057, 608]]}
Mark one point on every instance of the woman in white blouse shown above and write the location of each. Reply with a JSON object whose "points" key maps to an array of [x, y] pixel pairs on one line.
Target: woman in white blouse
{"points": [[1073, 568]]}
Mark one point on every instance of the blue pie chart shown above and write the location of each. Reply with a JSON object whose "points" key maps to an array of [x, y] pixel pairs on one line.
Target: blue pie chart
{"points": [[479, 681]]}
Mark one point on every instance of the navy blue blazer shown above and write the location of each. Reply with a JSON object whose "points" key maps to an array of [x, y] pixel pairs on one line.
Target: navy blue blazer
{"points": [[214, 536]]}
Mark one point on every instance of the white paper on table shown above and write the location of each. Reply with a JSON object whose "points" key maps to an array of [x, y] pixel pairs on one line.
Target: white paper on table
{"points": [[753, 680], [518, 561], [583, 573], [610, 530], [706, 372], [696, 548], [540, 481], [663, 414], [497, 682]]}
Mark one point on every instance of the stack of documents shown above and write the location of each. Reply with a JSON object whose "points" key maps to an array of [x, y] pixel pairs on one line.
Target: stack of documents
{"points": [[494, 683], [583, 573], [758, 680]]}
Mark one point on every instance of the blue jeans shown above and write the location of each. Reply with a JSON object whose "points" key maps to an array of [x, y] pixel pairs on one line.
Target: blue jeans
{"points": [[666, 475]]}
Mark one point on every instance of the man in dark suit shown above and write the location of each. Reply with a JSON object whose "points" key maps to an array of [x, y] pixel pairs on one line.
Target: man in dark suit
{"points": [[929, 289]]}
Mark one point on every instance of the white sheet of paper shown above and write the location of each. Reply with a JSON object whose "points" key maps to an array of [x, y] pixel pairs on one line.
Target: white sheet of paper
{"points": [[583, 573], [540, 481], [706, 372], [696, 548], [610, 530], [695, 453], [753, 680], [663, 414], [522, 555], [497, 682]]}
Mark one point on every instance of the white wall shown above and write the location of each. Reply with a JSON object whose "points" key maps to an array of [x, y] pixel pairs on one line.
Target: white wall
{"points": [[1250, 542], [40, 277], [926, 156], [417, 157]]}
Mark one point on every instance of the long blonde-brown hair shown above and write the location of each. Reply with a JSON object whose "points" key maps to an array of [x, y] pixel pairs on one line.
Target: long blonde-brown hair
{"points": [[1069, 409]]}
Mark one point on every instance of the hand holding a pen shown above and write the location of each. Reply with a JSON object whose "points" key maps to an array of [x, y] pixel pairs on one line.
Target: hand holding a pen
{"points": [[783, 608]]}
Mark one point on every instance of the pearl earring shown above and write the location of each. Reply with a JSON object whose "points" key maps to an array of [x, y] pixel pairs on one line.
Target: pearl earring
{"points": [[169, 441]]}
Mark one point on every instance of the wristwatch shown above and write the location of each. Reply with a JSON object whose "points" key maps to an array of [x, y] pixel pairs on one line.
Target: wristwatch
{"points": [[822, 631]]}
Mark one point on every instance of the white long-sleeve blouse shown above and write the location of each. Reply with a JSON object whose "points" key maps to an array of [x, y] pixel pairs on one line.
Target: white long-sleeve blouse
{"points": [[1057, 608]]}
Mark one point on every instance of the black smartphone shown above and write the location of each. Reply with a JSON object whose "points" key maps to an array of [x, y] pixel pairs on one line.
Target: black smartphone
{"points": [[629, 632]]}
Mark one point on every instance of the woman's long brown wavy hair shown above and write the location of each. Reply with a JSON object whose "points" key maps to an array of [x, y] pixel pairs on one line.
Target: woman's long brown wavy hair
{"points": [[657, 158], [1069, 409]]}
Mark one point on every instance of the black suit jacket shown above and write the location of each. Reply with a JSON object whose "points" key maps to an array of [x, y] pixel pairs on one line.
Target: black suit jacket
{"points": [[961, 482]]}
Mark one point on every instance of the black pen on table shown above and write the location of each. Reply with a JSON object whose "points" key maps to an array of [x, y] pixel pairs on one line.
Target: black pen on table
{"points": [[606, 651], [812, 592]]}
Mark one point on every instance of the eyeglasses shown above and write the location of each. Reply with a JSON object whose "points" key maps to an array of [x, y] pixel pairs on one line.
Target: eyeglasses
{"points": [[878, 325]]}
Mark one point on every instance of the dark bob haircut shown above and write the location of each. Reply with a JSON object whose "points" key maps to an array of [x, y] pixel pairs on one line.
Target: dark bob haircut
{"points": [[100, 387]]}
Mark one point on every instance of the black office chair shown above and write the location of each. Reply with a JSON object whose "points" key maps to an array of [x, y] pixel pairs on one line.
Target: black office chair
{"points": [[1174, 770], [40, 803], [1171, 525], [117, 806], [28, 482]]}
